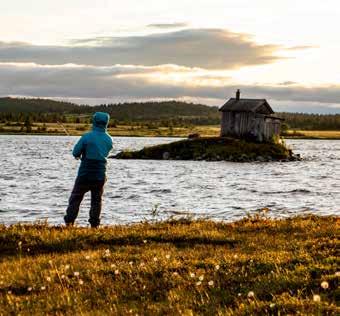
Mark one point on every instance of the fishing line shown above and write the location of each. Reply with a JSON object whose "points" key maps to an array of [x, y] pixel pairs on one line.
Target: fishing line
{"points": [[69, 143]]}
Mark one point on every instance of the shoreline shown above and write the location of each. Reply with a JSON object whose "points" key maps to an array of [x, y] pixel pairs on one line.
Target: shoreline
{"points": [[154, 136], [254, 266]]}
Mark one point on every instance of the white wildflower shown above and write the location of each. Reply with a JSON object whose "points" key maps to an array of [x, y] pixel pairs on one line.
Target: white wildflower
{"points": [[167, 257], [211, 283], [48, 279], [116, 272], [337, 273], [217, 267], [76, 273], [81, 282], [29, 289], [192, 275], [324, 285], [145, 241], [201, 278], [155, 259], [251, 294], [43, 288], [316, 298], [67, 267], [198, 283], [130, 263], [175, 274], [87, 257]]}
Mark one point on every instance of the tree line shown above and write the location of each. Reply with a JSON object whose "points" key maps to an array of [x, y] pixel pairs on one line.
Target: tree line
{"points": [[165, 113]]}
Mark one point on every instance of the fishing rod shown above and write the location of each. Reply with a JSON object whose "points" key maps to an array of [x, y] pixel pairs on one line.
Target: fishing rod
{"points": [[64, 128], [70, 143]]}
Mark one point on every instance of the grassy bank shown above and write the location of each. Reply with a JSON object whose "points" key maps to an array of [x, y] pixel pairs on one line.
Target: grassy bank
{"points": [[300, 134], [254, 266], [119, 130], [149, 131]]}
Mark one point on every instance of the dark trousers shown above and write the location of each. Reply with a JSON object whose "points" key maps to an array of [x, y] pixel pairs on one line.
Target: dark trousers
{"points": [[82, 186]]}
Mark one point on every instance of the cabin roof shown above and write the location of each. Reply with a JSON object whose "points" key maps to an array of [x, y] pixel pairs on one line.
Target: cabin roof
{"points": [[247, 105]]}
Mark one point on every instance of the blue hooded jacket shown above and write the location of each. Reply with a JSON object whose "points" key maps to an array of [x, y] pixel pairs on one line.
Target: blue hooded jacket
{"points": [[93, 149]]}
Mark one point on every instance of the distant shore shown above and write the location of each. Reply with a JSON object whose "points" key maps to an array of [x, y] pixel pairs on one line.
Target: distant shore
{"points": [[256, 266], [144, 131]]}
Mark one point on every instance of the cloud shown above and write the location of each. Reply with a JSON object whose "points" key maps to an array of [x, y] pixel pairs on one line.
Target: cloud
{"points": [[302, 47], [287, 83], [203, 48], [168, 25], [130, 82]]}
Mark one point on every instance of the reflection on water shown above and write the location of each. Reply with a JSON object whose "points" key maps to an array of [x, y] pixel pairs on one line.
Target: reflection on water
{"points": [[37, 175]]}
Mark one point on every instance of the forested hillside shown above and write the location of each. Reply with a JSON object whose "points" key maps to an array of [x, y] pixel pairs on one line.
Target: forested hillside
{"points": [[166, 113], [23, 105], [311, 121]]}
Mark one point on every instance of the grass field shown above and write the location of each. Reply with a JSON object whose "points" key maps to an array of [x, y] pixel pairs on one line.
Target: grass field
{"points": [[119, 130], [315, 134], [143, 130], [256, 266]]}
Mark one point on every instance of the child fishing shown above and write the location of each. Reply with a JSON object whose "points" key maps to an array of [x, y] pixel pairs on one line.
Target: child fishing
{"points": [[93, 149]]}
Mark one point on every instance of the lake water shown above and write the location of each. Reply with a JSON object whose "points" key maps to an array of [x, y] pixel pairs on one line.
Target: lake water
{"points": [[37, 174]]}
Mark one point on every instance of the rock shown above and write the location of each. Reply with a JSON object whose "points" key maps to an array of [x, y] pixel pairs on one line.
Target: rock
{"points": [[166, 155], [244, 158], [260, 158], [194, 136]]}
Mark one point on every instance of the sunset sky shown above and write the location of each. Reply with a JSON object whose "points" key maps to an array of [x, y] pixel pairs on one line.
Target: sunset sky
{"points": [[84, 51]]}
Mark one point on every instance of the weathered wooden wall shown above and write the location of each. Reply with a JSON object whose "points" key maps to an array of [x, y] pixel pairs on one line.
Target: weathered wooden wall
{"points": [[241, 124]]}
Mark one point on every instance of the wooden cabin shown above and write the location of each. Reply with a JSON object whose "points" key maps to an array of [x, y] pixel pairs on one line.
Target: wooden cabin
{"points": [[249, 118]]}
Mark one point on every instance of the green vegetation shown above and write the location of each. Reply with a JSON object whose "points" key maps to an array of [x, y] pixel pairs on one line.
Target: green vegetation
{"points": [[211, 148], [256, 266], [311, 122], [153, 115]]}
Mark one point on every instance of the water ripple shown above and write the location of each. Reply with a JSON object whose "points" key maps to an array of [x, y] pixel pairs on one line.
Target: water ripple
{"points": [[38, 173]]}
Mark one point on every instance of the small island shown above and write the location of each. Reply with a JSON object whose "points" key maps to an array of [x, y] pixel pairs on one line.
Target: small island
{"points": [[213, 149], [249, 132]]}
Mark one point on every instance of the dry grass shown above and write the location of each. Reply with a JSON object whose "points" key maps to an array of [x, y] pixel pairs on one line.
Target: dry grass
{"points": [[119, 130], [314, 134], [255, 266], [127, 130]]}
